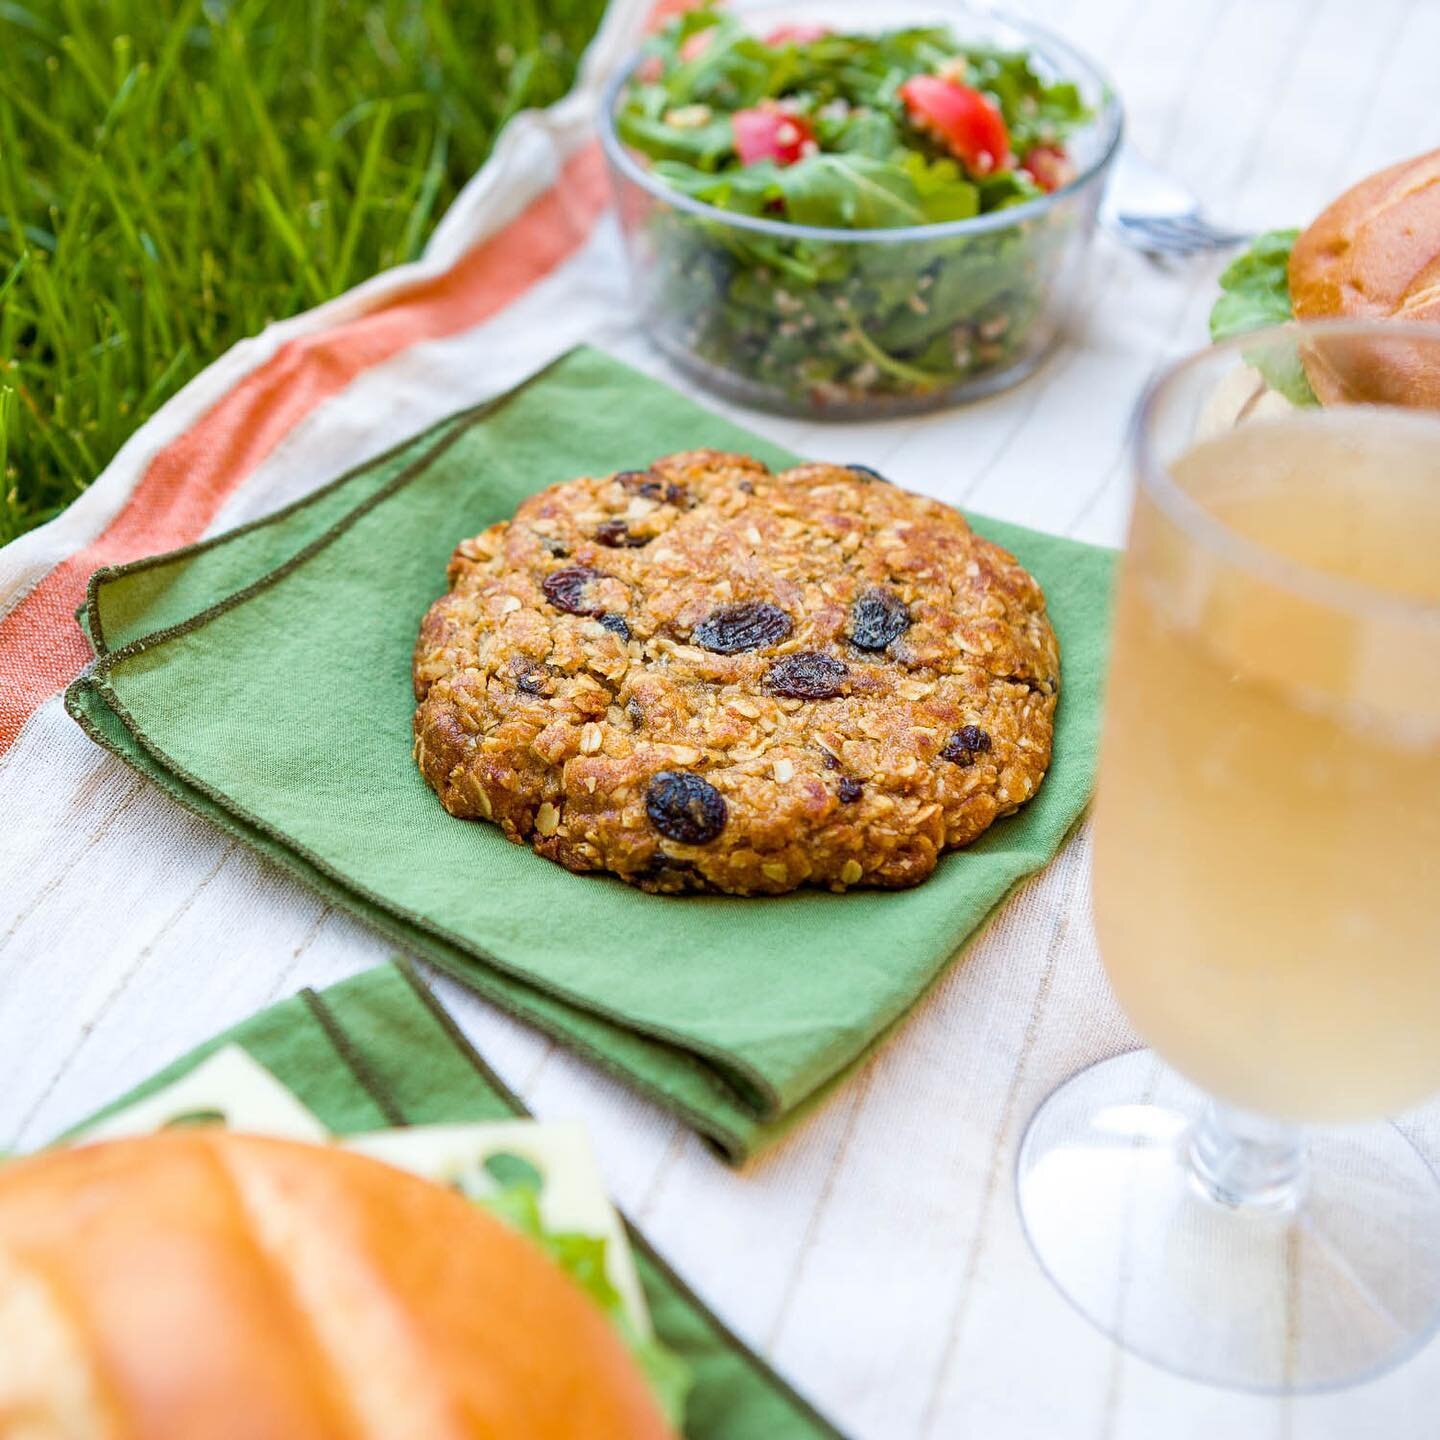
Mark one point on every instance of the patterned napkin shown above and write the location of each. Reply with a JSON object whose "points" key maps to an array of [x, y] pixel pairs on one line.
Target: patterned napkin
{"points": [[263, 679], [379, 1051]]}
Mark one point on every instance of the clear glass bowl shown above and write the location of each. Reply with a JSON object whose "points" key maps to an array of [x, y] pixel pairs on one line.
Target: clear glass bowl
{"points": [[854, 324]]}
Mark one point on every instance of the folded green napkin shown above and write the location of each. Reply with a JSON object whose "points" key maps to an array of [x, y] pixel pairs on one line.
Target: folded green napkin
{"points": [[378, 1051], [264, 679]]}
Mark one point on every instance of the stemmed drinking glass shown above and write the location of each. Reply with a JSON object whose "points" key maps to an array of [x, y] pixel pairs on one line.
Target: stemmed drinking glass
{"points": [[1267, 877]]}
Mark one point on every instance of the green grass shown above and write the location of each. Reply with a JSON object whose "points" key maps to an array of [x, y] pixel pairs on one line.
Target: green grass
{"points": [[175, 175]]}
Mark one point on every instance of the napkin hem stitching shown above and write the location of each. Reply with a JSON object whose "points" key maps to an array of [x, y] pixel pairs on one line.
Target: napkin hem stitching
{"points": [[461, 421], [717, 1066], [745, 1084]]}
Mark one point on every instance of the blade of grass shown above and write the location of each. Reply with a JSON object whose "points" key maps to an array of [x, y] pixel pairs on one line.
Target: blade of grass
{"points": [[290, 237], [419, 220], [361, 199]]}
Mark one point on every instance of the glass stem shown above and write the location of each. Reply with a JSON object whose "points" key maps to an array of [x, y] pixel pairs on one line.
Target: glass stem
{"points": [[1244, 1161]]}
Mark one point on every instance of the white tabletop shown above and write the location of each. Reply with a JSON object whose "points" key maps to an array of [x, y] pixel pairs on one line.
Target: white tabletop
{"points": [[875, 1255]]}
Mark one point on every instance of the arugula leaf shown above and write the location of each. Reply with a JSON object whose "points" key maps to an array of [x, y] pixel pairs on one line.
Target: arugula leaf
{"points": [[943, 192], [859, 131], [846, 191], [1255, 294], [748, 191], [850, 191], [703, 146]]}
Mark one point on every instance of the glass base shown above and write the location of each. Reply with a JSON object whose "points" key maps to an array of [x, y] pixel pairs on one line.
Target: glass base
{"points": [[1238, 1252]]}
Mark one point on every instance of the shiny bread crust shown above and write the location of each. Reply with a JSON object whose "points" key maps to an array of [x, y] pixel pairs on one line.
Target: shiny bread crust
{"points": [[212, 1286], [1374, 254]]}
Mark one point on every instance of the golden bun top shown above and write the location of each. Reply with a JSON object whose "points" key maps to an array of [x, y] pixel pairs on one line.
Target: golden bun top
{"points": [[214, 1286], [1375, 254]]}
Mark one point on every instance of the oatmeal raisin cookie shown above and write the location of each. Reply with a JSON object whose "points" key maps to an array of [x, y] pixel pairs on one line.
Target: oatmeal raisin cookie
{"points": [[707, 676]]}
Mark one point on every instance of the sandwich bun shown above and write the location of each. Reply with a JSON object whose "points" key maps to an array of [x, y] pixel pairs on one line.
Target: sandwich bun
{"points": [[1374, 254], [203, 1285]]}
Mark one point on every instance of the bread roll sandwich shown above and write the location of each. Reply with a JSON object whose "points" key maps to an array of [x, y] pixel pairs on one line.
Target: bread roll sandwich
{"points": [[1374, 254], [205, 1285]]}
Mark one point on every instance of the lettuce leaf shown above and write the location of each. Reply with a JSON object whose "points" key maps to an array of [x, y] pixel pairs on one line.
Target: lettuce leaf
{"points": [[1255, 294], [1255, 287], [582, 1258]]}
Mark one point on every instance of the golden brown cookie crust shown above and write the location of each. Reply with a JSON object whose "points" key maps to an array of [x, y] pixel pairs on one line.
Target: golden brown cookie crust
{"points": [[555, 724]]}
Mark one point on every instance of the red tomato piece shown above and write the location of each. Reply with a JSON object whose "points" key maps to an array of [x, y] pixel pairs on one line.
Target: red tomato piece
{"points": [[966, 122], [767, 132], [797, 34], [1048, 166], [697, 44], [650, 69]]}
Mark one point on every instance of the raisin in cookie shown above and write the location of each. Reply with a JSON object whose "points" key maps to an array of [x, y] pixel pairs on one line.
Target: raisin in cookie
{"points": [[706, 676]]}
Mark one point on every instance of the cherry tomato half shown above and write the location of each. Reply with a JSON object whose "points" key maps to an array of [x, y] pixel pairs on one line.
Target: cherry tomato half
{"points": [[966, 122], [797, 34], [767, 132], [1048, 166], [696, 45]]}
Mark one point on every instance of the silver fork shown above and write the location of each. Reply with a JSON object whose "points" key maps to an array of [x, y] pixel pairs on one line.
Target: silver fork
{"points": [[1154, 213]]}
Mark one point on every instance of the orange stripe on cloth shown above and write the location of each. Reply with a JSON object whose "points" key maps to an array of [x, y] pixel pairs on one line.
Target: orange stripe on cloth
{"points": [[41, 647]]}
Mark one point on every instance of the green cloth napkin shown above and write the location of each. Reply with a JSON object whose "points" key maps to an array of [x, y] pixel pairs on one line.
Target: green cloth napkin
{"points": [[378, 1051], [264, 679]]}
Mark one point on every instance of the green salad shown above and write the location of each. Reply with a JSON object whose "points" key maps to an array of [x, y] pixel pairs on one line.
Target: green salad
{"points": [[851, 132]]}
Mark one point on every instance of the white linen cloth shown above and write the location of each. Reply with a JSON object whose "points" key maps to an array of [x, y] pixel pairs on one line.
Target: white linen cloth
{"points": [[874, 1256]]}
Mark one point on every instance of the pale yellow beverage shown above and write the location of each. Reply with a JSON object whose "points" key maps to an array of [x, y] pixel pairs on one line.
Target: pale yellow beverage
{"points": [[1267, 849]]}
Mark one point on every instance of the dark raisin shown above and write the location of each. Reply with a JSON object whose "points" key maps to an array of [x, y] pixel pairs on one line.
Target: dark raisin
{"points": [[974, 738], [674, 873], [552, 547], [868, 473], [615, 624], [684, 807], [965, 744], [807, 676], [850, 791], [636, 711], [831, 763], [750, 625], [877, 617], [617, 535], [746, 487], [532, 677], [565, 589], [654, 487]]}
